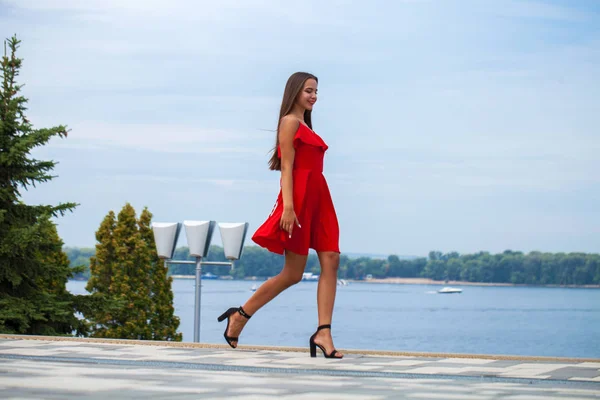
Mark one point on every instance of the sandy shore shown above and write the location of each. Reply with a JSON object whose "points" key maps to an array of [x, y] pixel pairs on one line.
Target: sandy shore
{"points": [[427, 281], [423, 281]]}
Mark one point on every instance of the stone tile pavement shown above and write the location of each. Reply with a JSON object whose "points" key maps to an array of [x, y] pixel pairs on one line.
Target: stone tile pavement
{"points": [[55, 368]]}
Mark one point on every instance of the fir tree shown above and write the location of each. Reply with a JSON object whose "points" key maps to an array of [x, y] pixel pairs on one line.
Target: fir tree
{"points": [[33, 268], [163, 322], [101, 267], [127, 269]]}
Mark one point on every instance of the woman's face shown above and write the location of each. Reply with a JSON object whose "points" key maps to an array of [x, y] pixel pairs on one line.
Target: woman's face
{"points": [[308, 95]]}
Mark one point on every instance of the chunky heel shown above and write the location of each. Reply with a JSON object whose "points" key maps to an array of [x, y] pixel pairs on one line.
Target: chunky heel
{"points": [[313, 345], [228, 314]]}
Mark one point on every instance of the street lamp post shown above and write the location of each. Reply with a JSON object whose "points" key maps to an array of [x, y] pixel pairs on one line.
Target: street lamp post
{"points": [[199, 235]]}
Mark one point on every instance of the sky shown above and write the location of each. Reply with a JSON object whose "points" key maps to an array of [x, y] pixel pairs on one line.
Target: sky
{"points": [[459, 125]]}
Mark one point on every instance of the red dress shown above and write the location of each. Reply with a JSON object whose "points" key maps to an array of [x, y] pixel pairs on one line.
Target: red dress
{"points": [[313, 205]]}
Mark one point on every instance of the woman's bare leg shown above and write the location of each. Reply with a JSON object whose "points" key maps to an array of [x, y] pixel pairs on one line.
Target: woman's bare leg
{"points": [[290, 274], [330, 262]]}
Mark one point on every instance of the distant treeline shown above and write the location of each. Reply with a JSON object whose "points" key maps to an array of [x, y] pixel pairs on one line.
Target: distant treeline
{"points": [[534, 268]]}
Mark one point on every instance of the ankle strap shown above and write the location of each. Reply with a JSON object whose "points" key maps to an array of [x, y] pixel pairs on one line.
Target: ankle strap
{"points": [[328, 326], [241, 311]]}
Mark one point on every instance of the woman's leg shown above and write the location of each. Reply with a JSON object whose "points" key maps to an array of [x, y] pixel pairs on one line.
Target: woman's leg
{"points": [[290, 274], [330, 262]]}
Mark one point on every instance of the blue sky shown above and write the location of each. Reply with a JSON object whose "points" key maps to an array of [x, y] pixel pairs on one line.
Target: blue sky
{"points": [[452, 125]]}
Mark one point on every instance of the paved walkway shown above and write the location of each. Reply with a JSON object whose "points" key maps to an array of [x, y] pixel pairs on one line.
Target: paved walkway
{"points": [[55, 368]]}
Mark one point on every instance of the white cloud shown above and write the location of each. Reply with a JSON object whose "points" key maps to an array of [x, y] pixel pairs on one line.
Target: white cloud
{"points": [[534, 9], [166, 137], [228, 184]]}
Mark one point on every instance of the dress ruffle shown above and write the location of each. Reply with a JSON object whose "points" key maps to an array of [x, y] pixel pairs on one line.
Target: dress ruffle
{"points": [[305, 135]]}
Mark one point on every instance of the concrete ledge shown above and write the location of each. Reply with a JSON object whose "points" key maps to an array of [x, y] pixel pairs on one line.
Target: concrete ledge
{"points": [[373, 353]]}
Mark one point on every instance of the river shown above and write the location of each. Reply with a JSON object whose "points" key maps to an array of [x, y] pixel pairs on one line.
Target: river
{"points": [[486, 320]]}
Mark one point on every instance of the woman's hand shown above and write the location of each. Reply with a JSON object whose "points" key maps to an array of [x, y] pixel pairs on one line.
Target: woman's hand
{"points": [[288, 220]]}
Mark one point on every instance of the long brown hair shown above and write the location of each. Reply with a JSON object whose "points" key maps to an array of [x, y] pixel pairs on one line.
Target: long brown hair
{"points": [[293, 86]]}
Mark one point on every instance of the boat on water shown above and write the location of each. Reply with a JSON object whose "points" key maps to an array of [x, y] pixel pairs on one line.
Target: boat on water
{"points": [[342, 282], [309, 276], [253, 288], [449, 290]]}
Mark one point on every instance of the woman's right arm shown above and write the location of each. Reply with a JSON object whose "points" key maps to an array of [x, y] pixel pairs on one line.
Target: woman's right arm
{"points": [[287, 131]]}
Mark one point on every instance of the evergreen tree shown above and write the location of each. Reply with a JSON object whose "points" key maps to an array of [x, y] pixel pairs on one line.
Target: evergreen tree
{"points": [[33, 268], [101, 267], [102, 263], [163, 322], [127, 270]]}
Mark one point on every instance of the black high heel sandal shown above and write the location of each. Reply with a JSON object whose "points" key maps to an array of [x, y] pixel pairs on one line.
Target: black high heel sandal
{"points": [[313, 345], [228, 314]]}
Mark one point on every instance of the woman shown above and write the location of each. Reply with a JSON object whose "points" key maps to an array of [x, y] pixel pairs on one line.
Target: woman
{"points": [[303, 216]]}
